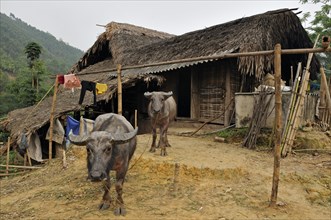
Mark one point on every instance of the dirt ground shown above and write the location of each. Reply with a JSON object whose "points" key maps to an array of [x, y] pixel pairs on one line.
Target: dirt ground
{"points": [[215, 181]]}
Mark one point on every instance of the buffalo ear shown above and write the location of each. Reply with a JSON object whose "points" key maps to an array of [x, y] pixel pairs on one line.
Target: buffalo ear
{"points": [[167, 94], [148, 95]]}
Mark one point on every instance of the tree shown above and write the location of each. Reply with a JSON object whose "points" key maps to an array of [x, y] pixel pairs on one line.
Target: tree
{"points": [[33, 51], [321, 24]]}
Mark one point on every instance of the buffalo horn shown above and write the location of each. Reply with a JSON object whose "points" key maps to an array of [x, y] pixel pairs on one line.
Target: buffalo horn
{"points": [[124, 137], [76, 139], [147, 94], [167, 94]]}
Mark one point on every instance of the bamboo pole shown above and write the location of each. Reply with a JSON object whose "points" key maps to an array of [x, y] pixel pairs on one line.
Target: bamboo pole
{"points": [[322, 104], [291, 80], [278, 124], [51, 120], [327, 91], [135, 118], [64, 159], [28, 156], [12, 174], [119, 90], [290, 112], [299, 105], [21, 167], [7, 160]]}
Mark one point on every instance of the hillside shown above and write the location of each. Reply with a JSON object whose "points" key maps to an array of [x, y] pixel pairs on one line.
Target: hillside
{"points": [[15, 34]]}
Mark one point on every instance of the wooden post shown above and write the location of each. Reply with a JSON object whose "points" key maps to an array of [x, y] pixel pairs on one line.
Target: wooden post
{"points": [[7, 161], [51, 120], [327, 92], [291, 80], [135, 118], [278, 124], [119, 90], [227, 113]]}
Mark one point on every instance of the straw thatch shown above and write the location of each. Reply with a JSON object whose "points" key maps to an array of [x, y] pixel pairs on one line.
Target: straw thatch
{"points": [[255, 33], [131, 45], [117, 39]]}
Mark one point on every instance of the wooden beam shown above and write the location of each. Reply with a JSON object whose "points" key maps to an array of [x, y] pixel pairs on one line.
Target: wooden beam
{"points": [[7, 160], [51, 120], [227, 113], [119, 90], [278, 124]]}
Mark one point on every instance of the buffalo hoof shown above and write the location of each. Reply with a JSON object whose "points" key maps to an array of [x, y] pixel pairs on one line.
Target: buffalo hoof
{"points": [[163, 153], [152, 150], [120, 211], [104, 205]]}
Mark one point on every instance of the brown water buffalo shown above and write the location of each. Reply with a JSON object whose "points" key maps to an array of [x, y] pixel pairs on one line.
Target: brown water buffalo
{"points": [[162, 110], [110, 146]]}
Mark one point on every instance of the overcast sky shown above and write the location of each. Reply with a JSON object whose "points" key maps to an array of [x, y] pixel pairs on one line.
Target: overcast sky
{"points": [[75, 22]]}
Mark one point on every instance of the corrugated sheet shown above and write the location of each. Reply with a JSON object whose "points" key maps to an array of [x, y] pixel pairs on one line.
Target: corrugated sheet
{"points": [[159, 68]]}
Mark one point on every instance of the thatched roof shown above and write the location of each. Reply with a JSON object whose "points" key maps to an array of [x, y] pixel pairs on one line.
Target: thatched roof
{"points": [[117, 39], [256, 33]]}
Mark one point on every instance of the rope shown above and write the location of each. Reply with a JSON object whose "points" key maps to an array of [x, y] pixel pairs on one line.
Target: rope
{"points": [[39, 103], [145, 147]]}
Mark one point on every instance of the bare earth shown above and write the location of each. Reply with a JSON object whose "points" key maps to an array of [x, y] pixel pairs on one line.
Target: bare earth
{"points": [[215, 181]]}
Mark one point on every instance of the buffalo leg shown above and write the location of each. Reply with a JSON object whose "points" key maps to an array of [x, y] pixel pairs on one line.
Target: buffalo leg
{"points": [[120, 208], [154, 141], [166, 138], [162, 141], [106, 199]]}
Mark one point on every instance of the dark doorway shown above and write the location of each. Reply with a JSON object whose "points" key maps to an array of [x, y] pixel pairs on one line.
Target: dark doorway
{"points": [[184, 95]]}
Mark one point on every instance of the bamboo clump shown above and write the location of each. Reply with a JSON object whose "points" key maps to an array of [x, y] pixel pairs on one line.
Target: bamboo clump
{"points": [[295, 112]]}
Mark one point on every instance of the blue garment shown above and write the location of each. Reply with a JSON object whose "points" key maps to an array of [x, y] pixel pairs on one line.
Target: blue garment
{"points": [[72, 124]]}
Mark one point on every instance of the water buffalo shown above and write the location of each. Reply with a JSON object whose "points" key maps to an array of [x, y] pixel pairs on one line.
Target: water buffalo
{"points": [[110, 146], [162, 110]]}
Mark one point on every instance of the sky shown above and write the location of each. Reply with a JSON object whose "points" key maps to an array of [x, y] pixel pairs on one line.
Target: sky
{"points": [[77, 22]]}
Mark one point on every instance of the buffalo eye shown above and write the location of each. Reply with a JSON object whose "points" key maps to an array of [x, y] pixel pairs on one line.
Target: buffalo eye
{"points": [[108, 150]]}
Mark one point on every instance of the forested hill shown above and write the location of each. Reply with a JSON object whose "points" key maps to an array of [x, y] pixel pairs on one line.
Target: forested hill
{"points": [[15, 34]]}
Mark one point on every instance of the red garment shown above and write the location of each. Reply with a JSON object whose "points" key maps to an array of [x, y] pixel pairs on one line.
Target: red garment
{"points": [[60, 79], [71, 81]]}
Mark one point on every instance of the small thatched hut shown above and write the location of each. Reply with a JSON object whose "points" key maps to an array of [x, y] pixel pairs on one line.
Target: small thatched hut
{"points": [[201, 88]]}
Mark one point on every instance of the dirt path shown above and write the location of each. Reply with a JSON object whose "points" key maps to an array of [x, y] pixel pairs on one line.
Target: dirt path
{"points": [[216, 181]]}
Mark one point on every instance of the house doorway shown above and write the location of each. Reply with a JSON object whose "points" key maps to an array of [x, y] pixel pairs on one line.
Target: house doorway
{"points": [[184, 95]]}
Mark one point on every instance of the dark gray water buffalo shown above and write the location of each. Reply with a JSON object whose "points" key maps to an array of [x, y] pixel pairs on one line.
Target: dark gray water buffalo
{"points": [[162, 110], [110, 146]]}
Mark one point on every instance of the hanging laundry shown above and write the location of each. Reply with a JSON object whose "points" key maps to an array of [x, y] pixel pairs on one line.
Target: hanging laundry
{"points": [[58, 132], [101, 88], [60, 79], [85, 126], [90, 86], [72, 124], [34, 148], [71, 81]]}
